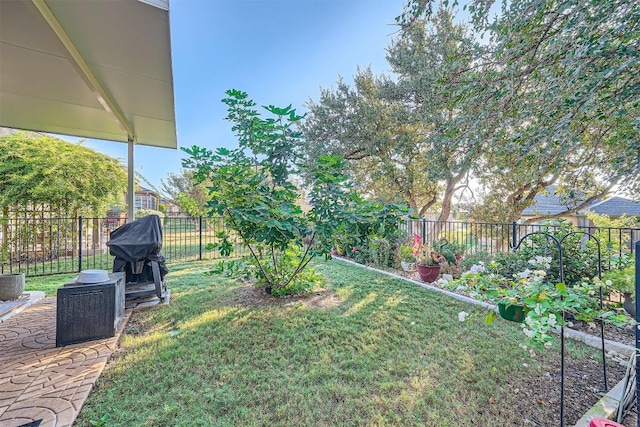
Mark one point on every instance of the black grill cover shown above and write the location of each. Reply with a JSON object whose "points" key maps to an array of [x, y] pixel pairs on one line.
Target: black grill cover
{"points": [[135, 244]]}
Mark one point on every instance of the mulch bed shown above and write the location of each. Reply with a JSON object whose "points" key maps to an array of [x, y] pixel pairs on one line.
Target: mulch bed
{"points": [[625, 335]]}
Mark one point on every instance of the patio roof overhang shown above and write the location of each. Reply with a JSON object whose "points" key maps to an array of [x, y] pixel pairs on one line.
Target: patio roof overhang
{"points": [[95, 69]]}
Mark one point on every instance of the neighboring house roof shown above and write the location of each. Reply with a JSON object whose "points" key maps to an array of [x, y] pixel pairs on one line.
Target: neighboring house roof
{"points": [[549, 204], [552, 204], [616, 206], [142, 189]]}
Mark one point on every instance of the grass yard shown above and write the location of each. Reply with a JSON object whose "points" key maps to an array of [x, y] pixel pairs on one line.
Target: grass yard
{"points": [[48, 284], [371, 350]]}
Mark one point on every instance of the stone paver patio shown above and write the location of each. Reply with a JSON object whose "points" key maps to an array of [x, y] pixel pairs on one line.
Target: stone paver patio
{"points": [[39, 381]]}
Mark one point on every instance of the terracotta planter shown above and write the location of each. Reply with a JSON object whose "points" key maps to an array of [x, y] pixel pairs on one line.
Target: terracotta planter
{"points": [[512, 312], [11, 286], [428, 273]]}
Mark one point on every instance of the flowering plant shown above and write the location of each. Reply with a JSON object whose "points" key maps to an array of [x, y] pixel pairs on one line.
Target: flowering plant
{"points": [[543, 301], [426, 255], [406, 253]]}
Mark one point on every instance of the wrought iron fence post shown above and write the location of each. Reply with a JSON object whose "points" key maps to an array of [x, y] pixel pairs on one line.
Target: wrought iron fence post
{"points": [[637, 328], [80, 243], [200, 238], [424, 230], [514, 235]]}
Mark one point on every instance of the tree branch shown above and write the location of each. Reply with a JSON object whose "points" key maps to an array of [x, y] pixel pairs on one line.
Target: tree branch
{"points": [[582, 205]]}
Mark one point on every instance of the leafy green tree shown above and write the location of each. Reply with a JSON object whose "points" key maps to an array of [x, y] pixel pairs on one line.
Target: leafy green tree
{"points": [[429, 58], [612, 244], [185, 191], [405, 136], [559, 86], [382, 148], [251, 187], [66, 178]]}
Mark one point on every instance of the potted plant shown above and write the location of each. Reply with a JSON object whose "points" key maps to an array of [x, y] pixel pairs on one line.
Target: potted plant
{"points": [[541, 303], [623, 281], [407, 258], [428, 263]]}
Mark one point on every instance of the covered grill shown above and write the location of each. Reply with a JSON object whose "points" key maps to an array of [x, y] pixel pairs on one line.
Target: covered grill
{"points": [[136, 247]]}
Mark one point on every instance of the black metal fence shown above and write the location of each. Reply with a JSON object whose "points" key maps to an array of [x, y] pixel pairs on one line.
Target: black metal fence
{"points": [[42, 246], [500, 237]]}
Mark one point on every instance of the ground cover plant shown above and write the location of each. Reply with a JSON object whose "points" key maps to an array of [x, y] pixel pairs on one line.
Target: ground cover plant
{"points": [[369, 350]]}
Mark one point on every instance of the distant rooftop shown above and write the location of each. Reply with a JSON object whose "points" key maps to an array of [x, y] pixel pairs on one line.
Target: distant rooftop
{"points": [[552, 204], [616, 206]]}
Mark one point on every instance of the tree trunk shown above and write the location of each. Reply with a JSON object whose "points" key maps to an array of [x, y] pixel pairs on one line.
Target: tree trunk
{"points": [[447, 197]]}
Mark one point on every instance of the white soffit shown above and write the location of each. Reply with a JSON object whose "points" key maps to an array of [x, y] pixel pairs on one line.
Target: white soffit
{"points": [[162, 4], [118, 81]]}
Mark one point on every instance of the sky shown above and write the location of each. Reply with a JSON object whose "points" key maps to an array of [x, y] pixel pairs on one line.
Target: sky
{"points": [[280, 52]]}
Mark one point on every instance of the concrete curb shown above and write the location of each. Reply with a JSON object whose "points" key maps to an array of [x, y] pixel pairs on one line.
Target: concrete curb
{"points": [[423, 285], [605, 407], [34, 296]]}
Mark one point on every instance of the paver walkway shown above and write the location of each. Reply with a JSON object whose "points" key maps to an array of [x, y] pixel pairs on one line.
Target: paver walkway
{"points": [[39, 381]]}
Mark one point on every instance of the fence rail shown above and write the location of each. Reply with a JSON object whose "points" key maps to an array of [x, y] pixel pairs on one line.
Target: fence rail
{"points": [[500, 237], [42, 246]]}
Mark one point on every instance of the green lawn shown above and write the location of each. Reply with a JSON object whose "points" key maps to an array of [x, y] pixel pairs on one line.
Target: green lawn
{"points": [[385, 353], [48, 284]]}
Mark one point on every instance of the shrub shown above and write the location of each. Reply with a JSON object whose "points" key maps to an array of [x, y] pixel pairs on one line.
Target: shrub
{"points": [[474, 259], [381, 251], [622, 280], [251, 187], [580, 260]]}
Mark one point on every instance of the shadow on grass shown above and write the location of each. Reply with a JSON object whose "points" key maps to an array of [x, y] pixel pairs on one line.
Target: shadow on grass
{"points": [[390, 354]]}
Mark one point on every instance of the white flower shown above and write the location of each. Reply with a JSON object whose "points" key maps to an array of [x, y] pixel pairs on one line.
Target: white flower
{"points": [[542, 261], [462, 316], [477, 268], [525, 274], [539, 273]]}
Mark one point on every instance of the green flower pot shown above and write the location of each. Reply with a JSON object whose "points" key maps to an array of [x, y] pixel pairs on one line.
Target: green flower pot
{"points": [[512, 312]]}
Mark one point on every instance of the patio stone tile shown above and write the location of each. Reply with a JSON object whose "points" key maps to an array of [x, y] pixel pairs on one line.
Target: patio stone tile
{"points": [[40, 381]]}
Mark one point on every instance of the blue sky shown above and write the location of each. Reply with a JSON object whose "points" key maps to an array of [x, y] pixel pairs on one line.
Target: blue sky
{"points": [[279, 51]]}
